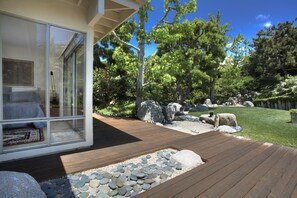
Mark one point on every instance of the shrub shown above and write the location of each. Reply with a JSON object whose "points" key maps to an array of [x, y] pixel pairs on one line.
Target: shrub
{"points": [[293, 111]]}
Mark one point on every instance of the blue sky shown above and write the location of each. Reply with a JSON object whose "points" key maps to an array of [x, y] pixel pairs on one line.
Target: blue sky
{"points": [[244, 16]]}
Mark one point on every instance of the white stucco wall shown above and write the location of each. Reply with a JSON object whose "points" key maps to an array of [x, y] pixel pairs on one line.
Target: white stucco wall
{"points": [[55, 12]]}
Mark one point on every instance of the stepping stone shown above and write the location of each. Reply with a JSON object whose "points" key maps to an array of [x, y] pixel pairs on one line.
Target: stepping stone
{"points": [[79, 184], [112, 185], [102, 195], [113, 193], [140, 181], [149, 181], [137, 188], [94, 183], [104, 189], [84, 195], [120, 183], [178, 166], [140, 175], [104, 181], [122, 191], [84, 188], [146, 186]]}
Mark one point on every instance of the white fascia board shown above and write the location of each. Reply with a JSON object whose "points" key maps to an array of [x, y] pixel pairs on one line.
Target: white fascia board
{"points": [[130, 4], [95, 12]]}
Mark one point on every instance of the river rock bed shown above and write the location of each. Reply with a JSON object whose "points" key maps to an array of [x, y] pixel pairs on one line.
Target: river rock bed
{"points": [[124, 179]]}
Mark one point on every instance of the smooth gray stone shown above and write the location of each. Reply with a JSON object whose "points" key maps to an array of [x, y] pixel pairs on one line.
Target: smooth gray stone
{"points": [[148, 157], [104, 181], [102, 195], [112, 185], [140, 181], [113, 193], [116, 174], [133, 177], [178, 166], [155, 184], [104, 189], [128, 194], [167, 156], [84, 188], [84, 195], [122, 178], [93, 176], [163, 176], [137, 188], [100, 177], [129, 188], [79, 184], [130, 183], [107, 175], [149, 181], [146, 186], [85, 179], [134, 194], [140, 175], [122, 191], [120, 183], [151, 176]]}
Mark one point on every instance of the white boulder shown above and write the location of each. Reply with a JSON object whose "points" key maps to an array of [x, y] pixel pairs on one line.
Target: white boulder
{"points": [[248, 104], [228, 119], [228, 129], [187, 158], [19, 185]]}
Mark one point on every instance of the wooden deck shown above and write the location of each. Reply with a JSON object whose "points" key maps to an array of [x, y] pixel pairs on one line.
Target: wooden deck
{"points": [[233, 168]]}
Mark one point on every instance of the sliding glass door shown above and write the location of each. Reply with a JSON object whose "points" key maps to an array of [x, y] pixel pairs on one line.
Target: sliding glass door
{"points": [[42, 85]]}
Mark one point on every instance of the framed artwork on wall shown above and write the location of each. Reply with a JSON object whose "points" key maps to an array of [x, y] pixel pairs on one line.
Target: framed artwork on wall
{"points": [[17, 72]]}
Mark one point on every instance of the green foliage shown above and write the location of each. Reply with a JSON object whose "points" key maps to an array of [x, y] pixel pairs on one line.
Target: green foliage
{"points": [[268, 125], [274, 99], [231, 81], [286, 87], [121, 109], [187, 59], [293, 111], [274, 56]]}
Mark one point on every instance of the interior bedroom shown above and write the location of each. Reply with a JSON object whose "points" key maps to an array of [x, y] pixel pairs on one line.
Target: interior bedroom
{"points": [[42, 84]]}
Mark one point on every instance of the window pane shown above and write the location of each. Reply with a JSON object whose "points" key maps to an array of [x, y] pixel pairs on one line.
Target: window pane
{"points": [[23, 68], [67, 72]]}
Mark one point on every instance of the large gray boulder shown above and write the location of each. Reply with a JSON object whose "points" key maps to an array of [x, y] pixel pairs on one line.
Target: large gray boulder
{"points": [[202, 107], [170, 110], [150, 111], [187, 158], [228, 119], [19, 185], [248, 104]]}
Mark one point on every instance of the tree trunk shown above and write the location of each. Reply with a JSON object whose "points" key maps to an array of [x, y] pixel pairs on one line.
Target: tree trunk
{"points": [[212, 90], [141, 68]]}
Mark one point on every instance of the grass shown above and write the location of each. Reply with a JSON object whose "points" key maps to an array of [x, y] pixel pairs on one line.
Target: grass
{"points": [[122, 109], [268, 125]]}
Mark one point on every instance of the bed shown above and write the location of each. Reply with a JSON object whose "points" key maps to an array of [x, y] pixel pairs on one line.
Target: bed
{"points": [[22, 105]]}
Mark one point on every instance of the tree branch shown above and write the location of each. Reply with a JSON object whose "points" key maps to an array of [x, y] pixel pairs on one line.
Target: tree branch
{"points": [[126, 43], [162, 20]]}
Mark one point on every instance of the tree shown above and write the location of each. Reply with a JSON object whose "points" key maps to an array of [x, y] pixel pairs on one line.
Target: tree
{"points": [[275, 54], [143, 37], [239, 48], [187, 58]]}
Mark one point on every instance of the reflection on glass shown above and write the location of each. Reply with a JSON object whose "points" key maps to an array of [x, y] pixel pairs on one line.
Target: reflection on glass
{"points": [[23, 68], [67, 51]]}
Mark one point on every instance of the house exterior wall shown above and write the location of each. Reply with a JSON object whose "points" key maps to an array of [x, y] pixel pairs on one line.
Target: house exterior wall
{"points": [[57, 13]]}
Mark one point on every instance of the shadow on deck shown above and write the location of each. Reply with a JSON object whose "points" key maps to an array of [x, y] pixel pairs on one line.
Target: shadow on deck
{"points": [[233, 168]]}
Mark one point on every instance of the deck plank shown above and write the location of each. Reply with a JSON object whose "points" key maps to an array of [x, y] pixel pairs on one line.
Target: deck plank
{"points": [[233, 168]]}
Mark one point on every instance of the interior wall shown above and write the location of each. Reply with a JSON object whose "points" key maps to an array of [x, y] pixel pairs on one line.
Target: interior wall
{"points": [[36, 55]]}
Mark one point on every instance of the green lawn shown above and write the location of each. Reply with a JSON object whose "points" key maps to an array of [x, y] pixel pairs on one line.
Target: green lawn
{"points": [[262, 124]]}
